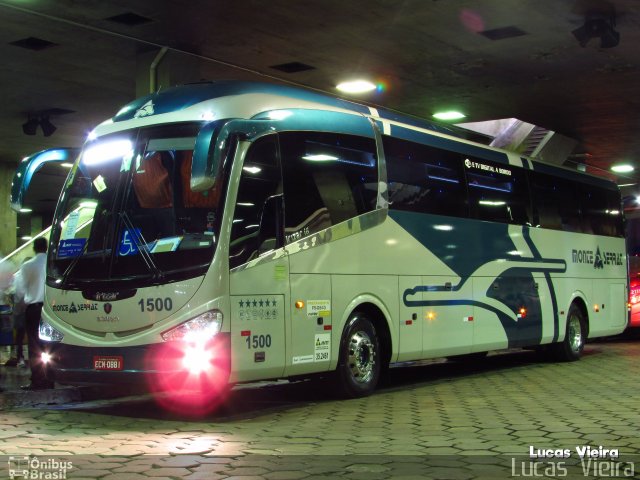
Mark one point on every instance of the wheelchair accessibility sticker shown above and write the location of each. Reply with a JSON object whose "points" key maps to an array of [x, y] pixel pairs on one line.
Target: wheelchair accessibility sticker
{"points": [[128, 243]]}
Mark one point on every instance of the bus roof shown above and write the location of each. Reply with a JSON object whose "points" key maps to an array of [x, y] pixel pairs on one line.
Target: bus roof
{"points": [[180, 98]]}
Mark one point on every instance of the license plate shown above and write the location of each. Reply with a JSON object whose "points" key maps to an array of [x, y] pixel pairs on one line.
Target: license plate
{"points": [[108, 363]]}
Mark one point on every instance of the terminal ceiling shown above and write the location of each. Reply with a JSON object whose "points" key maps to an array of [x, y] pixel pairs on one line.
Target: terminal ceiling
{"points": [[78, 62]]}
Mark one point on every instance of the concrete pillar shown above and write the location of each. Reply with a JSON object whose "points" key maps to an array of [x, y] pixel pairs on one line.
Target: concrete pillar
{"points": [[8, 220], [36, 225]]}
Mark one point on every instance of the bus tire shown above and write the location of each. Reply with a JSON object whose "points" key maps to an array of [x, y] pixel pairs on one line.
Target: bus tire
{"points": [[570, 349], [358, 369]]}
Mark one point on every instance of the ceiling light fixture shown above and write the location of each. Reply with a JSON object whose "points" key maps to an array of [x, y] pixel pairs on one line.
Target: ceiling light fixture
{"points": [[625, 168], [598, 25], [47, 127], [449, 115], [356, 86], [30, 127]]}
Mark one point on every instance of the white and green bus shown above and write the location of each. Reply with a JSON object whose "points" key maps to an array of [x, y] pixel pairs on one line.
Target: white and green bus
{"points": [[227, 232]]}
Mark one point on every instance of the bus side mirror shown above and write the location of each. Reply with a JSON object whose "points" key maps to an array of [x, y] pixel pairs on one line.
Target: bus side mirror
{"points": [[213, 144], [203, 167]]}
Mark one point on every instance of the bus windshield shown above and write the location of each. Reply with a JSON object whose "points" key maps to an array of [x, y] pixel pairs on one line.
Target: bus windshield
{"points": [[127, 212]]}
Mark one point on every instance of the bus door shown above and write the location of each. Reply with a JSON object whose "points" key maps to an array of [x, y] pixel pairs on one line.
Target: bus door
{"points": [[329, 180], [311, 323], [259, 266]]}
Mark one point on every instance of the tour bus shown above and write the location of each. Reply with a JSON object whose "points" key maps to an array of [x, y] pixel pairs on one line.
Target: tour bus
{"points": [[632, 229], [240, 231]]}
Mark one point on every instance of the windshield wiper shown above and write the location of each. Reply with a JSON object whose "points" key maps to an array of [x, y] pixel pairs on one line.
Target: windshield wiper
{"points": [[143, 247], [72, 264]]}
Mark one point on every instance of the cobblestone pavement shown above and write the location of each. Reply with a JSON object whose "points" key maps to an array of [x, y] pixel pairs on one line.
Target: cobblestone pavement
{"points": [[443, 420]]}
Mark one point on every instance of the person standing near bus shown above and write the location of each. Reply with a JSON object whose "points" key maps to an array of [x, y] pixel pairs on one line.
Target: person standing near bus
{"points": [[33, 278], [18, 315]]}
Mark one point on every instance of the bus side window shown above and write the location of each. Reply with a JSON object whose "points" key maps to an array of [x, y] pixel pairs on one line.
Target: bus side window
{"points": [[424, 179], [498, 193], [328, 178], [260, 180], [600, 213], [556, 203]]}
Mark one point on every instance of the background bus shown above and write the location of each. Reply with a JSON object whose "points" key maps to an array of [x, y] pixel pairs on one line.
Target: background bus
{"points": [[245, 231], [633, 248]]}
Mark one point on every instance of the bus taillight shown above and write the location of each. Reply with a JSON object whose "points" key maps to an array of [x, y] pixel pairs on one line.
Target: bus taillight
{"points": [[634, 294]]}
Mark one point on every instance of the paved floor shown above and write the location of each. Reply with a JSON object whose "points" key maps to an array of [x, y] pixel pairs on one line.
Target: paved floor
{"points": [[444, 420]]}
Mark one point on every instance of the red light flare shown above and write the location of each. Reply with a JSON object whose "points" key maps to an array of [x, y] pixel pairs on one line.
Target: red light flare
{"points": [[192, 377], [472, 21]]}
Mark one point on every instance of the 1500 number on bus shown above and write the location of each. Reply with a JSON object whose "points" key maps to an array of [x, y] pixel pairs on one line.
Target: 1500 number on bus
{"points": [[156, 304]]}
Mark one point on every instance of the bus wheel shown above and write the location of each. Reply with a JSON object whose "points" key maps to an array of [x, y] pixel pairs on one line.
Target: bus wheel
{"points": [[570, 349], [359, 364]]}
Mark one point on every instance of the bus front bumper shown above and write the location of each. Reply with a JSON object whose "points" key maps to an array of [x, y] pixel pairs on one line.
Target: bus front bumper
{"points": [[156, 367]]}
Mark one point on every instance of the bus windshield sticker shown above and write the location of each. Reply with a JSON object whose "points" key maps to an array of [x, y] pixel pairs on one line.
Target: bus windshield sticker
{"points": [[125, 166], [128, 244], [167, 245], [280, 272], [70, 226], [72, 247], [100, 184]]}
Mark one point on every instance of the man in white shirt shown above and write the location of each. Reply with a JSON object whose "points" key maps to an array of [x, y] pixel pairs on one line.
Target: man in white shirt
{"points": [[33, 278]]}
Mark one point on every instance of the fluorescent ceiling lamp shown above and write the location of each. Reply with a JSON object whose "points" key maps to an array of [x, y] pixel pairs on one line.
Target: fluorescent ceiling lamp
{"points": [[491, 203], [622, 168], [450, 115], [444, 228], [66, 165], [356, 86], [252, 169], [320, 157], [25, 210]]}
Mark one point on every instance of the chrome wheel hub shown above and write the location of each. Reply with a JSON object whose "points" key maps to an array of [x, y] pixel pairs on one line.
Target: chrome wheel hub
{"points": [[575, 334], [362, 357]]}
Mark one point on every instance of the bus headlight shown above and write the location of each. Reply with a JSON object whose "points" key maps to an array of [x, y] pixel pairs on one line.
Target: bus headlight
{"points": [[202, 327], [48, 333]]}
